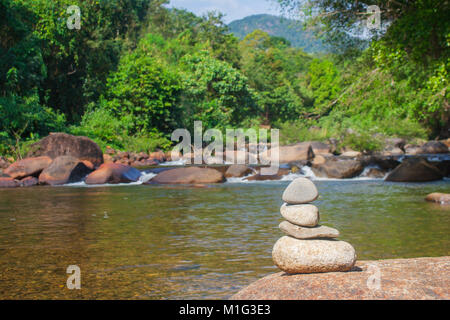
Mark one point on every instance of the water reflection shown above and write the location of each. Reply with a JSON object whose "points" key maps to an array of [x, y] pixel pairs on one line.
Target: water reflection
{"points": [[190, 243]]}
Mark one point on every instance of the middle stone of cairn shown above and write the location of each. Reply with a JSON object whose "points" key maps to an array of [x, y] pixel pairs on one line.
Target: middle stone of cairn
{"points": [[308, 247]]}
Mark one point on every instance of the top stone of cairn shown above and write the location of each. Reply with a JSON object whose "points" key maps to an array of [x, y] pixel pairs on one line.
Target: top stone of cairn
{"points": [[300, 191]]}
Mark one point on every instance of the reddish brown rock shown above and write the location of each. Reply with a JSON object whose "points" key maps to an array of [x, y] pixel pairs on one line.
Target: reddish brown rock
{"points": [[189, 175], [443, 198], [107, 158], [4, 163], [29, 182], [28, 167], [400, 279], [144, 163], [113, 173], [63, 170], [62, 144], [8, 183], [238, 171], [158, 156]]}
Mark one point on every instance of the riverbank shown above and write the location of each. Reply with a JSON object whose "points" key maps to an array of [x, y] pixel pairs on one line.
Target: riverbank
{"points": [[62, 159], [398, 279]]}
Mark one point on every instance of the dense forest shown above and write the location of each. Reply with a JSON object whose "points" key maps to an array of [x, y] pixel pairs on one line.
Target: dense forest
{"points": [[136, 70]]}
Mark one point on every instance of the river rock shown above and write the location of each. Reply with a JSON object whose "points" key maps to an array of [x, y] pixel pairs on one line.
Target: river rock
{"points": [[305, 215], [261, 177], [351, 154], [63, 170], [313, 256], [189, 175], [238, 171], [29, 182], [297, 152], [375, 173], [400, 279], [415, 170], [434, 147], [113, 173], [8, 183], [339, 168], [28, 167], [443, 198], [300, 191], [320, 148], [305, 233], [62, 144]]}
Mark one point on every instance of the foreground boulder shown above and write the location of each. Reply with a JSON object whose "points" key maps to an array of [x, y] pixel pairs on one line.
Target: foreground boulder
{"points": [[401, 279], [63, 170], [443, 198], [339, 168], [113, 173], [415, 170], [28, 167], [8, 183], [62, 144], [189, 175]]}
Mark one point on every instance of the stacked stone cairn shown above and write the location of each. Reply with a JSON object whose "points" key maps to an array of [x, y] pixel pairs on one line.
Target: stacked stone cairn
{"points": [[308, 247]]}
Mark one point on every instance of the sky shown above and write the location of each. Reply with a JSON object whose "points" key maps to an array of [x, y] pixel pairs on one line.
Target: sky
{"points": [[233, 9]]}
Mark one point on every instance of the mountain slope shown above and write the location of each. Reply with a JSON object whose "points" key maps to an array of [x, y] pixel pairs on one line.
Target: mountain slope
{"points": [[280, 27]]}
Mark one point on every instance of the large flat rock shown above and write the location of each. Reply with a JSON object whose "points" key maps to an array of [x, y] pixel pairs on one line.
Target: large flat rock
{"points": [[400, 279]]}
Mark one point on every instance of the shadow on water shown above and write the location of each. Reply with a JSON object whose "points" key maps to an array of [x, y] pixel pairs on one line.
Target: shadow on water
{"points": [[155, 242]]}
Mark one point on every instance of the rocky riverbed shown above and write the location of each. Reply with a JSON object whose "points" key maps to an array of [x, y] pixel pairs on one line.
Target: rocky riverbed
{"points": [[61, 159]]}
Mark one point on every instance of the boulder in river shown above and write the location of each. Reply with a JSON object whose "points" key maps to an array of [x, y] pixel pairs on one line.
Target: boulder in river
{"points": [[434, 147], [238, 171], [29, 182], [28, 167], [415, 170], [297, 152], [63, 170], [339, 168], [443, 198], [113, 173], [320, 148], [313, 256], [189, 175], [62, 144], [8, 183]]}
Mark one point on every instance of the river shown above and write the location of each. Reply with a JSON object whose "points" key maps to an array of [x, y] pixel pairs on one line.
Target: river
{"points": [[169, 242]]}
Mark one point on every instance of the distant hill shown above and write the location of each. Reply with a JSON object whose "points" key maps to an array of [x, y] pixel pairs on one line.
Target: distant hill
{"points": [[280, 27]]}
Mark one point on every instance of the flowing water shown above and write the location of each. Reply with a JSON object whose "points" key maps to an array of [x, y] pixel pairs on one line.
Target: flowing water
{"points": [[167, 242]]}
